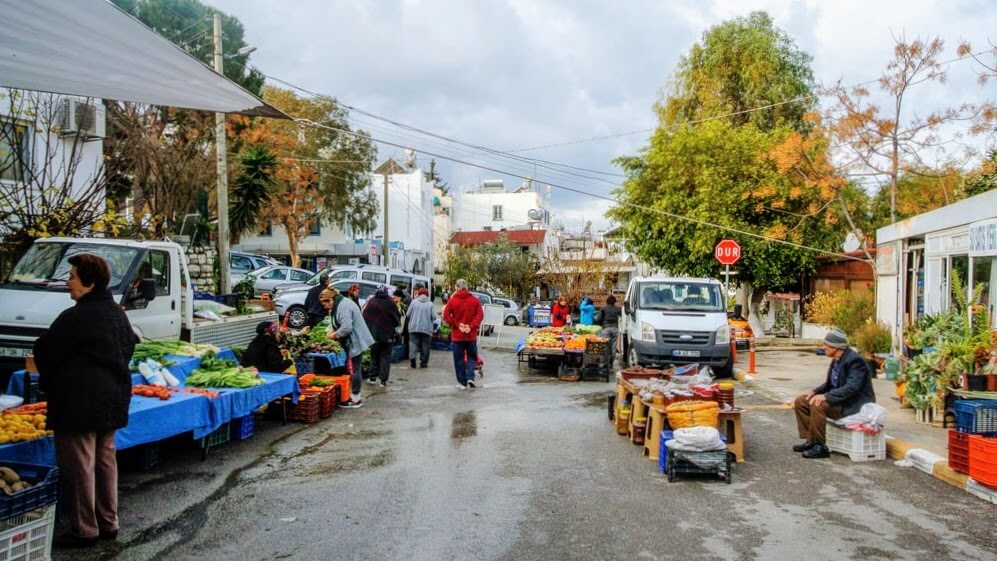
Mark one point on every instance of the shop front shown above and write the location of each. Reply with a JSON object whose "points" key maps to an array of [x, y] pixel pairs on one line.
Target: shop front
{"points": [[919, 257]]}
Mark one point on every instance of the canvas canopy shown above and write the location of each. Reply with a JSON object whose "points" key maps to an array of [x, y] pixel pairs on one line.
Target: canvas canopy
{"points": [[91, 48]]}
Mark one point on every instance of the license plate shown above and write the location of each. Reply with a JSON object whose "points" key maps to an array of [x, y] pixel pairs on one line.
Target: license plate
{"points": [[680, 352], [14, 351]]}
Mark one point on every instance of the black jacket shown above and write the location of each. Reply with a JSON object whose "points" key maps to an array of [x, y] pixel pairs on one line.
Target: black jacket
{"points": [[263, 353], [83, 365], [313, 307], [382, 316], [854, 387]]}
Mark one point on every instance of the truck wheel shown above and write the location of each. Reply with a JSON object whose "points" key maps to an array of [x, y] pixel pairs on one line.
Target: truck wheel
{"points": [[727, 370], [297, 318]]}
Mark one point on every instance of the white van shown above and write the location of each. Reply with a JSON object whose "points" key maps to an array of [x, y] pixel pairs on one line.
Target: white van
{"points": [[668, 320]]}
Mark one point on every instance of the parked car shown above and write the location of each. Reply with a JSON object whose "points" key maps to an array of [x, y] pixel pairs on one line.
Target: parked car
{"points": [[513, 314], [484, 298], [241, 264], [398, 278], [740, 330], [268, 278], [292, 302]]}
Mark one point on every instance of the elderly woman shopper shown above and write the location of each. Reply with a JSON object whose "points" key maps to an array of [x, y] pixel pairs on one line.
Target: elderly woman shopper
{"points": [[383, 320], [83, 365], [350, 329], [421, 320]]}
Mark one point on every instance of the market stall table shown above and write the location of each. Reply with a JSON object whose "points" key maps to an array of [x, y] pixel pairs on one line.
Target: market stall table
{"points": [[728, 423]]}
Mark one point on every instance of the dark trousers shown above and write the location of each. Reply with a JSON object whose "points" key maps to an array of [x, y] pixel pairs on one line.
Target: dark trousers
{"points": [[464, 367], [419, 347], [355, 367], [89, 472], [811, 422], [380, 360]]}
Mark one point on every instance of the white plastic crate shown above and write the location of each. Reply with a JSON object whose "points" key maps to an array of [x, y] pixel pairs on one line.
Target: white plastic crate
{"points": [[28, 537], [857, 445]]}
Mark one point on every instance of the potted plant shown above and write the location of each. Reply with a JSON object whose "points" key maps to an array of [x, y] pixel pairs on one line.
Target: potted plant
{"points": [[874, 340]]}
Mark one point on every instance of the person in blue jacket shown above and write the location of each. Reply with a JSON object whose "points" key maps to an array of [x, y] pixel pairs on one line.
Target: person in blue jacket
{"points": [[586, 312]]}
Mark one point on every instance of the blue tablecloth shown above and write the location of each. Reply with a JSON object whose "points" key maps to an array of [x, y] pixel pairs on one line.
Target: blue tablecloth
{"points": [[233, 403], [39, 452], [520, 345], [335, 359], [151, 419]]}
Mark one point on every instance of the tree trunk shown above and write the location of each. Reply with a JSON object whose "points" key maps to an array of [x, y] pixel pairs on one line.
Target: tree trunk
{"points": [[292, 245], [754, 298]]}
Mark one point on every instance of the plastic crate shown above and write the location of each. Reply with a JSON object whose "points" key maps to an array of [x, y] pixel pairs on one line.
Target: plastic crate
{"points": [[399, 353], [715, 462], [243, 427], [440, 345], [28, 536], [977, 416], [667, 435], [305, 411], [221, 435], [959, 451], [44, 490], [145, 457], [304, 365], [983, 460], [327, 402], [857, 445]]}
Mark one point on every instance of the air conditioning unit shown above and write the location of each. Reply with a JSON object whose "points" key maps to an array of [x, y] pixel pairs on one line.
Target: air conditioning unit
{"points": [[81, 119]]}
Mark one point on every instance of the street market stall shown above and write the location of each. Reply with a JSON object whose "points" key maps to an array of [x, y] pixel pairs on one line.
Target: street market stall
{"points": [[571, 352]]}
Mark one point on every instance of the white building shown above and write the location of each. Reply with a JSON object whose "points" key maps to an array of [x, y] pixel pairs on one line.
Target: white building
{"points": [[410, 225], [43, 138], [491, 207], [443, 227], [917, 257]]}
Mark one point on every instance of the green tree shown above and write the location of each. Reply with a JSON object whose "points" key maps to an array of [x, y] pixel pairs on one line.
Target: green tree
{"points": [[187, 23], [433, 176], [508, 267], [464, 262], [741, 65], [252, 190], [985, 178]]}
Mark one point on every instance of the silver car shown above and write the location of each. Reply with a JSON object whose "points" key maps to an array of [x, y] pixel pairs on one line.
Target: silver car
{"points": [[292, 301], [512, 311], [267, 278]]}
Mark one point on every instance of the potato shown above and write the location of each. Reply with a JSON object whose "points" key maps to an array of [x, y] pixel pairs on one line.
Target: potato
{"points": [[9, 475]]}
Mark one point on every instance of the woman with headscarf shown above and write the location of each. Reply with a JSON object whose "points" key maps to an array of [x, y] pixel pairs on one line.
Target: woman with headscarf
{"points": [[349, 328], [263, 352], [383, 319], [586, 312]]}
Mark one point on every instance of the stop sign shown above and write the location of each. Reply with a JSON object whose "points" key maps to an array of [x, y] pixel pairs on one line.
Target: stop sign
{"points": [[727, 252]]}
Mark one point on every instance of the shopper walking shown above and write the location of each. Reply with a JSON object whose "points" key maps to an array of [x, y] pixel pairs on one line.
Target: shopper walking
{"points": [[316, 312], [464, 314], [383, 319], [83, 365], [350, 329], [421, 318]]}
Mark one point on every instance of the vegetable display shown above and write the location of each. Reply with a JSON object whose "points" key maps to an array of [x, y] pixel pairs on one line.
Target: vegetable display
{"points": [[21, 427], [10, 482], [158, 350], [216, 372], [144, 390]]}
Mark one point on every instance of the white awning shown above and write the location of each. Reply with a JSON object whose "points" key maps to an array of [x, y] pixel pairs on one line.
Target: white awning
{"points": [[91, 48]]}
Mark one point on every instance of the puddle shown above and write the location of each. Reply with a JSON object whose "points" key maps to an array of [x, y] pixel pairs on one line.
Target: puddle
{"points": [[465, 425], [594, 399], [779, 379]]}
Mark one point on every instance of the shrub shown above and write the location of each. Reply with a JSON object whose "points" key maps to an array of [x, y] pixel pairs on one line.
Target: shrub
{"points": [[855, 309], [820, 307], [873, 337]]}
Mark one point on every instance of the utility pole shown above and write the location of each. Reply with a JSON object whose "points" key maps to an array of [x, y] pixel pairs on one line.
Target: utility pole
{"points": [[387, 251], [222, 164]]}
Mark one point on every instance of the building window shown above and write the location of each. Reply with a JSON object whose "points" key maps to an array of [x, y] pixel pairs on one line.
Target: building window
{"points": [[496, 212], [14, 150], [266, 230], [315, 227]]}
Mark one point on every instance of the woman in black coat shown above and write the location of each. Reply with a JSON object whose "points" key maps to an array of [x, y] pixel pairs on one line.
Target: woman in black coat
{"points": [[83, 366]]}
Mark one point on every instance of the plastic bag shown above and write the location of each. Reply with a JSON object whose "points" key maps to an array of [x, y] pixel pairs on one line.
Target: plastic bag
{"points": [[871, 414], [696, 439], [10, 401]]}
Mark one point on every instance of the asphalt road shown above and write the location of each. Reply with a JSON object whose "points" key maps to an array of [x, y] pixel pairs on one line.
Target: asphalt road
{"points": [[525, 468]]}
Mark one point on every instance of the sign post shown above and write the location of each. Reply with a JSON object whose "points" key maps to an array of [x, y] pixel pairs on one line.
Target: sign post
{"points": [[727, 252]]}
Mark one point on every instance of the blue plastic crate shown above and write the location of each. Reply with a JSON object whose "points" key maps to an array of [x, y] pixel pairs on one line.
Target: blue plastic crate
{"points": [[667, 435], [218, 436], [441, 345], [243, 427], [44, 489], [976, 416], [399, 353]]}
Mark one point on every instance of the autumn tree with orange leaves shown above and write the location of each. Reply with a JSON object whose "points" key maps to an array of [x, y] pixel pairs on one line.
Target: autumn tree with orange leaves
{"points": [[321, 170]]}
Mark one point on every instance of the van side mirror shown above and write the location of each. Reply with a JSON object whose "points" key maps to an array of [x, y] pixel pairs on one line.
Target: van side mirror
{"points": [[147, 289], [627, 308]]}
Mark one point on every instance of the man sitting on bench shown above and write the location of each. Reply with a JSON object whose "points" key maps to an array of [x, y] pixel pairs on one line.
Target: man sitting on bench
{"points": [[846, 389]]}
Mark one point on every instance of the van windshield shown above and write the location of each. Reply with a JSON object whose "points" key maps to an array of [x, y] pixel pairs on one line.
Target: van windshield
{"points": [[679, 296], [46, 264]]}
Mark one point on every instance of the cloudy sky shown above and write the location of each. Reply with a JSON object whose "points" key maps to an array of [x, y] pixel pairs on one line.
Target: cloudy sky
{"points": [[508, 75]]}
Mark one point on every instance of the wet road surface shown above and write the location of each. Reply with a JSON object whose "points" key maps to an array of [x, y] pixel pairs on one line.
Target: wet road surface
{"points": [[525, 468]]}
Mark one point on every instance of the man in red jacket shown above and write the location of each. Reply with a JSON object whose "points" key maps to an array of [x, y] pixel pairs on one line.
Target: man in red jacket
{"points": [[464, 314]]}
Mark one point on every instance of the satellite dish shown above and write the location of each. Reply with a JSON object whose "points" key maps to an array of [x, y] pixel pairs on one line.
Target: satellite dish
{"points": [[852, 243], [533, 214]]}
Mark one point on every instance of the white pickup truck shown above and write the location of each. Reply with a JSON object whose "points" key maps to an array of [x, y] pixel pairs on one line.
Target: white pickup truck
{"points": [[149, 278]]}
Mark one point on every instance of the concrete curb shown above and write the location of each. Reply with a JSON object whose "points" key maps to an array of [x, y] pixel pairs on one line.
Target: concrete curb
{"points": [[898, 449]]}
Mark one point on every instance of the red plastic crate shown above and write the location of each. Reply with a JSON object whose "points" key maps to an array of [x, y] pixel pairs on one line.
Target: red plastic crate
{"points": [[959, 451], [983, 460]]}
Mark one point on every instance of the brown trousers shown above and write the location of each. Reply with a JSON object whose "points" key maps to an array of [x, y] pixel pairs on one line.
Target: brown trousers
{"points": [[89, 472], [811, 422]]}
